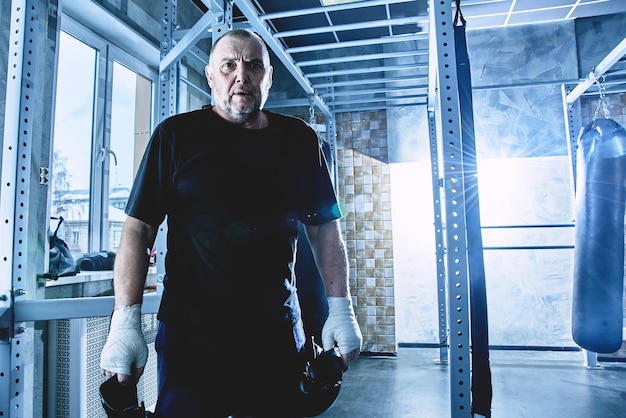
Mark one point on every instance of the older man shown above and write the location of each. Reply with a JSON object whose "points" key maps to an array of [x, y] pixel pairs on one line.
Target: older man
{"points": [[233, 181]]}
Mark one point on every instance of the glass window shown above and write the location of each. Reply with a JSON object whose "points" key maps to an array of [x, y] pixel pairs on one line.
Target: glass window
{"points": [[103, 120], [130, 132], [73, 132]]}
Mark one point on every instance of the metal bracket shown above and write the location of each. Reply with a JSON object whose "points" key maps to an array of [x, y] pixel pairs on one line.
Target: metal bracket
{"points": [[44, 176], [6, 315]]}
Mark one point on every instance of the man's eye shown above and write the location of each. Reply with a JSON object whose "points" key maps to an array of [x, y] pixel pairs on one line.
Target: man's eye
{"points": [[228, 65], [256, 66]]}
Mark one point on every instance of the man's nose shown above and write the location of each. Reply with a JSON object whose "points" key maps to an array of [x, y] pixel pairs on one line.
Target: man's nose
{"points": [[242, 73]]}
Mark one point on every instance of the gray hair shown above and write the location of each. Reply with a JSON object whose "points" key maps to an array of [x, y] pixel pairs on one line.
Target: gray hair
{"points": [[241, 33]]}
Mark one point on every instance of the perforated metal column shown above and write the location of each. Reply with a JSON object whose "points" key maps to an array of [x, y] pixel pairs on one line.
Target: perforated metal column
{"points": [[168, 79], [7, 203], [16, 345], [454, 203], [331, 139], [223, 18], [439, 242], [167, 106], [573, 124]]}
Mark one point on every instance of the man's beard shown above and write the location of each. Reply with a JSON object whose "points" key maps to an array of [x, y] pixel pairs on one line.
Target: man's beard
{"points": [[242, 114]]}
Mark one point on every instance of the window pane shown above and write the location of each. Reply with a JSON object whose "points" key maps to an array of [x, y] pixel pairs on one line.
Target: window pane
{"points": [[71, 165], [130, 131]]}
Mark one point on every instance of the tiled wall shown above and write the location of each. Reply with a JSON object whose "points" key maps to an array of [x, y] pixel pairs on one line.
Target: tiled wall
{"points": [[616, 104], [364, 193]]}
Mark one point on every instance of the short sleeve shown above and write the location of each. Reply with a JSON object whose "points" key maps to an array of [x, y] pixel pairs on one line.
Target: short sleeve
{"points": [[150, 192]]}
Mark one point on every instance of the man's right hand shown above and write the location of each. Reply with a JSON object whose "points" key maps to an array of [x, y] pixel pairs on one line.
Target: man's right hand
{"points": [[125, 352]]}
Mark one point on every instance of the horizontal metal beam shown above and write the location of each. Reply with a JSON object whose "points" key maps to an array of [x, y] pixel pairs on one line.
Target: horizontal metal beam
{"points": [[365, 57], [524, 85], [387, 90], [329, 9], [287, 103], [387, 100], [382, 106], [615, 55], [72, 308], [352, 26], [360, 42], [366, 70], [370, 81]]}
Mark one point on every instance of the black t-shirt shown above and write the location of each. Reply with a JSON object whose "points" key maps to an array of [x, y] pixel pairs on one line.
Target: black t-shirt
{"points": [[232, 197]]}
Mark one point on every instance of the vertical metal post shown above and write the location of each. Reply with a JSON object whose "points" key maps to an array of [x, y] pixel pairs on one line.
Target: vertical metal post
{"points": [[331, 133], [23, 199], [223, 11], [23, 283], [168, 78], [331, 138], [223, 23], [439, 242], [8, 193], [454, 187], [573, 124], [167, 99]]}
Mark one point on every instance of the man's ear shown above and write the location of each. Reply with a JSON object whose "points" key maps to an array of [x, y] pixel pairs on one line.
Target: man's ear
{"points": [[209, 76]]}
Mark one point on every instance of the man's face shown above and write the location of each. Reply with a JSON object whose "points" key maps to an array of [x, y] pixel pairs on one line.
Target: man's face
{"points": [[240, 76]]}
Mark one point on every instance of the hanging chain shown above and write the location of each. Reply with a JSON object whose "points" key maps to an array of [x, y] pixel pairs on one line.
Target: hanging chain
{"points": [[602, 103], [312, 120], [313, 123]]}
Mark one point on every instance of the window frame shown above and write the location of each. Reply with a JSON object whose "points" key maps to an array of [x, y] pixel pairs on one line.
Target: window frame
{"points": [[107, 54]]}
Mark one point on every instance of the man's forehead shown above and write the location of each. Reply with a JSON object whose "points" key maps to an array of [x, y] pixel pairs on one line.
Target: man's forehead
{"points": [[231, 47]]}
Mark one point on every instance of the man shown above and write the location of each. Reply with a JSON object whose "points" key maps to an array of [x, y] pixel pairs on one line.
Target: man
{"points": [[233, 181]]}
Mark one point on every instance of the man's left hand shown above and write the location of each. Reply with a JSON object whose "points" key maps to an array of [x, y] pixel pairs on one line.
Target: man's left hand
{"points": [[342, 329]]}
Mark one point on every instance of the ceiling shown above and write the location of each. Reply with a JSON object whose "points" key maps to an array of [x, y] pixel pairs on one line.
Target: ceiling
{"points": [[374, 53], [362, 55]]}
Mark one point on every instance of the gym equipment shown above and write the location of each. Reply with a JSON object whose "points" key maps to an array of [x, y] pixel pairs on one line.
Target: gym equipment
{"points": [[102, 260], [61, 263], [320, 383], [597, 306], [481, 387], [315, 392], [120, 401]]}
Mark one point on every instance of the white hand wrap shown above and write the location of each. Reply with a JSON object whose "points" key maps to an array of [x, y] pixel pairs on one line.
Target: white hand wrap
{"points": [[341, 328], [125, 346]]}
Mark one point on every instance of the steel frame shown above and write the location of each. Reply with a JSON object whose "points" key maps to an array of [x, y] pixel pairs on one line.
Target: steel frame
{"points": [[447, 102], [18, 307]]}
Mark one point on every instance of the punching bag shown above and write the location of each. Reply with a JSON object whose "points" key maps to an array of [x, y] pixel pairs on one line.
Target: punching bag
{"points": [[597, 306]]}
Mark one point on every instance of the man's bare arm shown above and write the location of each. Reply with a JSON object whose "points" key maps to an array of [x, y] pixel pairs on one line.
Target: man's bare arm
{"points": [[331, 258], [131, 262]]}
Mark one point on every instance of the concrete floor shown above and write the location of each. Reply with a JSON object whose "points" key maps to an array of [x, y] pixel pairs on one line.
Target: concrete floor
{"points": [[526, 384]]}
